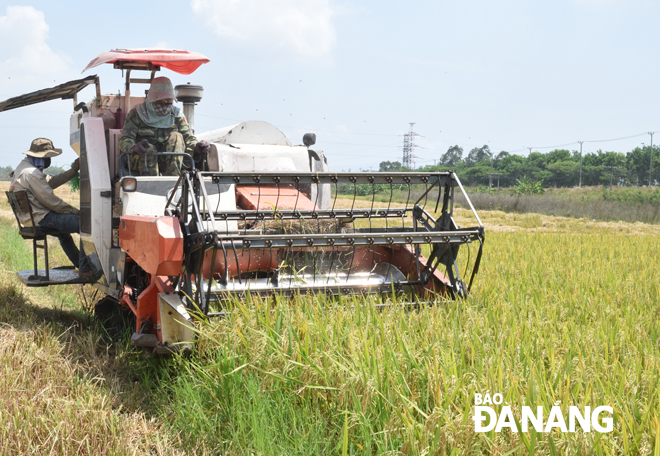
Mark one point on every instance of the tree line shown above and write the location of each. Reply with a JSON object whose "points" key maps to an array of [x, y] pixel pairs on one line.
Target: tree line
{"points": [[5, 172], [557, 168]]}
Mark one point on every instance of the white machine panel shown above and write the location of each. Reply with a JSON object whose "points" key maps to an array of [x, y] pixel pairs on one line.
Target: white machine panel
{"points": [[257, 158], [152, 193], [100, 191], [176, 326], [250, 132]]}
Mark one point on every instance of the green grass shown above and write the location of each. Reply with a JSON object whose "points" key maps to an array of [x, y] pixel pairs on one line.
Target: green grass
{"points": [[14, 255]]}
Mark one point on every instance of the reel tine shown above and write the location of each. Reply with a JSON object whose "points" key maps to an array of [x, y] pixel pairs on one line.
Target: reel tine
{"points": [[371, 210], [389, 204], [316, 206], [316, 251], [238, 266], [403, 216], [277, 201], [334, 203], [295, 205], [332, 259], [258, 197], [271, 262], [293, 269], [224, 253], [354, 195], [412, 258], [373, 258], [350, 266], [249, 259], [389, 263], [426, 194], [211, 272], [437, 201]]}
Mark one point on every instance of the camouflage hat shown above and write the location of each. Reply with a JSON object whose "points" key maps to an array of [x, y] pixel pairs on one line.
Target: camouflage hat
{"points": [[42, 148], [160, 89]]}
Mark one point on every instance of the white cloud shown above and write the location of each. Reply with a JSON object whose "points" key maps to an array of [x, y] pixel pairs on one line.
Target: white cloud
{"points": [[302, 25], [23, 48]]}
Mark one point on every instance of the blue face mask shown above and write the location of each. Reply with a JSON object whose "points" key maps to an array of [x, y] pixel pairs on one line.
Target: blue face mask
{"points": [[39, 163]]}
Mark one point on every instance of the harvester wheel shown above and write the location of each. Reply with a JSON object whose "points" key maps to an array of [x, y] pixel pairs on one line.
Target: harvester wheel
{"points": [[116, 321]]}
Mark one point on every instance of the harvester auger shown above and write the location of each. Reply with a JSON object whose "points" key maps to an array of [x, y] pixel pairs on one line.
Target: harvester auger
{"points": [[287, 244], [264, 217]]}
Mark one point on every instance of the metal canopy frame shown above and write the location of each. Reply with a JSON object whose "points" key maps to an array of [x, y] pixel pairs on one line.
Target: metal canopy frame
{"points": [[68, 90]]}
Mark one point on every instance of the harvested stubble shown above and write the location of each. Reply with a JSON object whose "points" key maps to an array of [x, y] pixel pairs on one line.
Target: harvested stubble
{"points": [[62, 393], [50, 405]]}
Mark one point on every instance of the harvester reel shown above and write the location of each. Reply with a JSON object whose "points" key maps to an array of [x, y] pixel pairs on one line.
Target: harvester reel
{"points": [[283, 241]]}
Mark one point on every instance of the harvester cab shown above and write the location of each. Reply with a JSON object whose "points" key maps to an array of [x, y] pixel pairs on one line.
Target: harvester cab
{"points": [[260, 217]]}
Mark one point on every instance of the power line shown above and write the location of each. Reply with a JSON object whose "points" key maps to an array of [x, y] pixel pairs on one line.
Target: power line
{"points": [[554, 147], [620, 139]]}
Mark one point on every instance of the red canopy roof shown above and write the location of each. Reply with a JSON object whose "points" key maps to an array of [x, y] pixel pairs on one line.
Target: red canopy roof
{"points": [[182, 62]]}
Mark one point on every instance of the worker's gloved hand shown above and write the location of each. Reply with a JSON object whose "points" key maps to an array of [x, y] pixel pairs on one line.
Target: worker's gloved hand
{"points": [[202, 148], [141, 147], [76, 165]]}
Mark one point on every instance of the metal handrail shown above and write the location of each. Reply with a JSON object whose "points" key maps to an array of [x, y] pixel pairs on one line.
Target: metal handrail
{"points": [[126, 155]]}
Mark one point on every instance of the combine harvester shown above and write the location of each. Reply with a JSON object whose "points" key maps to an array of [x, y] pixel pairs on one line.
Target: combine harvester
{"points": [[266, 218]]}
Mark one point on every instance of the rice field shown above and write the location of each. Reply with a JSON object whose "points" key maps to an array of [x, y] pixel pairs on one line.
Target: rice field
{"points": [[566, 316], [563, 312]]}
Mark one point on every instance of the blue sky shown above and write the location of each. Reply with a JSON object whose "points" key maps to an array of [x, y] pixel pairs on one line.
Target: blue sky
{"points": [[510, 74]]}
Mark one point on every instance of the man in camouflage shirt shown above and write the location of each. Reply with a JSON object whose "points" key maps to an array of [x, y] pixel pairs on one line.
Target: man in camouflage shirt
{"points": [[157, 126]]}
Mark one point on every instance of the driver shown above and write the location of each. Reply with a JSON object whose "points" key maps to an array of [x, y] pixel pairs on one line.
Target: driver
{"points": [[158, 126]]}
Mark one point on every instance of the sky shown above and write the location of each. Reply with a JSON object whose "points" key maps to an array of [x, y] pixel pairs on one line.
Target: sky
{"points": [[512, 74]]}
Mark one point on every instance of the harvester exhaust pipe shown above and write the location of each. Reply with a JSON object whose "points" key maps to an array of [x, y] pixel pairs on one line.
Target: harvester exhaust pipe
{"points": [[189, 95]]}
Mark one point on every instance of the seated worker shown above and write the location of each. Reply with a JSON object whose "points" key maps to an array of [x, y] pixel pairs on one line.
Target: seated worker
{"points": [[158, 126], [52, 215]]}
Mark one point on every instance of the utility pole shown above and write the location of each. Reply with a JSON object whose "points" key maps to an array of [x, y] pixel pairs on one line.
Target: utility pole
{"points": [[409, 147], [580, 185], [490, 175], [651, 161]]}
